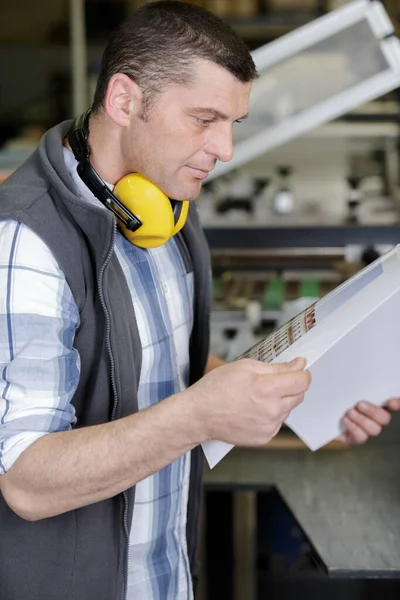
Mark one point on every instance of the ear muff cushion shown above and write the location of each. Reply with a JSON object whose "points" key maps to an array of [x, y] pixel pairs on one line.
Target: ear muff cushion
{"points": [[182, 216], [151, 206]]}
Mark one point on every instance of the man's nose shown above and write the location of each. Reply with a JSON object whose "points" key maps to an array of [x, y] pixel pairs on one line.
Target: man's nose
{"points": [[221, 143]]}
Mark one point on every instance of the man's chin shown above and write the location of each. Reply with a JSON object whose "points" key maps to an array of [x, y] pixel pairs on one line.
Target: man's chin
{"points": [[189, 192]]}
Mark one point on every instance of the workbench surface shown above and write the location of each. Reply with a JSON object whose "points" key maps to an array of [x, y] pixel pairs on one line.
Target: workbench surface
{"points": [[346, 501]]}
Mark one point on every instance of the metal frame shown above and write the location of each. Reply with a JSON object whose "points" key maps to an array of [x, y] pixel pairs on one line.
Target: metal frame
{"points": [[271, 54], [78, 51]]}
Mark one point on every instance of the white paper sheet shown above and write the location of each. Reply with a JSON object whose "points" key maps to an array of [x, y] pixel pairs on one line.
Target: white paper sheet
{"points": [[352, 353]]}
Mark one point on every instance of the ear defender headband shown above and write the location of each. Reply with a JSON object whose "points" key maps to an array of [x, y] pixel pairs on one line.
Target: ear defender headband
{"points": [[146, 216]]}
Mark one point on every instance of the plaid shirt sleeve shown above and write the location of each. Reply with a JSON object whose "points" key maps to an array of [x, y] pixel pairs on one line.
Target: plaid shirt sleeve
{"points": [[39, 367]]}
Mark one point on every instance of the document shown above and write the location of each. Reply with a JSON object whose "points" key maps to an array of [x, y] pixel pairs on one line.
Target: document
{"points": [[350, 339]]}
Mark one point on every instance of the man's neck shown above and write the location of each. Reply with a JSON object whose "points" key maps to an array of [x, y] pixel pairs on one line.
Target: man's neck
{"points": [[105, 150]]}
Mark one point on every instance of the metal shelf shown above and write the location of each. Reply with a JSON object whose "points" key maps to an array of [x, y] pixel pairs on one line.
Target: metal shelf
{"points": [[315, 236]]}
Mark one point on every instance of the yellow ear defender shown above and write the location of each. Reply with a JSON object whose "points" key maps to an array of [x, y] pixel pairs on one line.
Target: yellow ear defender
{"points": [[147, 217], [161, 218]]}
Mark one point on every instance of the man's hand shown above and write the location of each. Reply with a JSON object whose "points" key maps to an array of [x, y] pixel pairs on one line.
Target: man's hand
{"points": [[245, 402], [366, 420]]}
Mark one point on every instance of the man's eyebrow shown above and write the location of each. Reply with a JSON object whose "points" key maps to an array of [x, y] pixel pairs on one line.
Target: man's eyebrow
{"points": [[213, 113]]}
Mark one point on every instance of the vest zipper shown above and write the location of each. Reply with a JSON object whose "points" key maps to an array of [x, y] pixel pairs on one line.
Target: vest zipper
{"points": [[114, 389], [125, 495]]}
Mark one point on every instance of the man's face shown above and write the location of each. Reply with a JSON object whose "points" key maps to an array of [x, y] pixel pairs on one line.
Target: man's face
{"points": [[186, 130]]}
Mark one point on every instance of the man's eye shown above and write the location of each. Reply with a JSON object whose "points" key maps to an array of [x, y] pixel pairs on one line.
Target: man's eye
{"points": [[239, 121], [204, 122]]}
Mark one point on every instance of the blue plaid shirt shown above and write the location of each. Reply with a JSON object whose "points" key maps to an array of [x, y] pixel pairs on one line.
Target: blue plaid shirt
{"points": [[40, 372]]}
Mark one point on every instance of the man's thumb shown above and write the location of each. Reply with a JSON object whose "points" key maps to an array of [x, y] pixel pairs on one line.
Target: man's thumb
{"points": [[297, 364]]}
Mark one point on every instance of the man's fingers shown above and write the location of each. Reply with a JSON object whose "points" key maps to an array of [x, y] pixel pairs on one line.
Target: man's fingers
{"points": [[291, 384], [393, 404], [376, 413], [290, 402], [370, 426], [355, 433], [364, 421], [343, 438], [284, 379], [263, 368], [297, 364]]}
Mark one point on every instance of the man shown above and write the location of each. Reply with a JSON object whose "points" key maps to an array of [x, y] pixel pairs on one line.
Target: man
{"points": [[107, 389]]}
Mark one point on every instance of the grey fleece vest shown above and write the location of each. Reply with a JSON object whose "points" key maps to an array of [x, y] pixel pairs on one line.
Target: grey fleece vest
{"points": [[82, 554]]}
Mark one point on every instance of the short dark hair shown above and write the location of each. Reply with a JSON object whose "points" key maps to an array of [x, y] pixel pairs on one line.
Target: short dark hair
{"points": [[157, 44]]}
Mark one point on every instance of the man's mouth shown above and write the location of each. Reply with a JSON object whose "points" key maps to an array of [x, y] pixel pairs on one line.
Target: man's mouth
{"points": [[199, 173]]}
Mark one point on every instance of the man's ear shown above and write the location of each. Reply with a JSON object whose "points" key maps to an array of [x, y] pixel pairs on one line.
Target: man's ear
{"points": [[123, 99]]}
